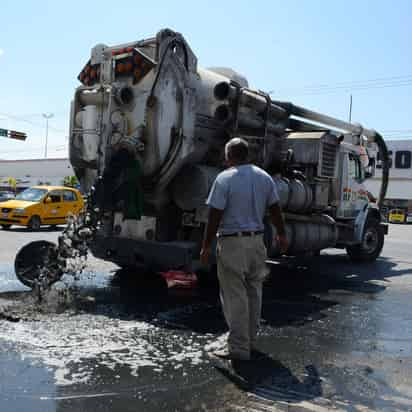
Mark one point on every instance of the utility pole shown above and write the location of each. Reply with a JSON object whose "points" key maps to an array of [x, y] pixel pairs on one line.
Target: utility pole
{"points": [[350, 109], [47, 116]]}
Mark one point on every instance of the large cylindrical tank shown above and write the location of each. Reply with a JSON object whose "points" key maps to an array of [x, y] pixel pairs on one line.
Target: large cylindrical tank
{"points": [[304, 237], [295, 195]]}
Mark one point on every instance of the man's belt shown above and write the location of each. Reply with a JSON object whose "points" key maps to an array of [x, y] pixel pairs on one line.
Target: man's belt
{"points": [[240, 234]]}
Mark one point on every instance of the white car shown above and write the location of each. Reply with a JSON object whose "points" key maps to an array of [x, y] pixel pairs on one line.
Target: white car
{"points": [[409, 218]]}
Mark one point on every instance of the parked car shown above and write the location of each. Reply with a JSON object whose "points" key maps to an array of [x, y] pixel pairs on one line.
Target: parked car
{"points": [[397, 216], [409, 218], [6, 196], [41, 205]]}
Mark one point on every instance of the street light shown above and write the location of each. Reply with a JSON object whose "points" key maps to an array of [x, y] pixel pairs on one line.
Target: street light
{"points": [[47, 116]]}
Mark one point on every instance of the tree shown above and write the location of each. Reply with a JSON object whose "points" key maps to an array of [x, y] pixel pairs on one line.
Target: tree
{"points": [[70, 181], [12, 182]]}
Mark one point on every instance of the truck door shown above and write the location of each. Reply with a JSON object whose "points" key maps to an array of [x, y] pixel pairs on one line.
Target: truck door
{"points": [[353, 192]]}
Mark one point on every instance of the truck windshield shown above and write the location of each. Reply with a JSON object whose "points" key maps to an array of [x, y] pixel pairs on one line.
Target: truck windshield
{"points": [[31, 195]]}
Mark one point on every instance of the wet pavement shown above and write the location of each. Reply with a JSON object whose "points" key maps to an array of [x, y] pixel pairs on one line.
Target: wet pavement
{"points": [[335, 336]]}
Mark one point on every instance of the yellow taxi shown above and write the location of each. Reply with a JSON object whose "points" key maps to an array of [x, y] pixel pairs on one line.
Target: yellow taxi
{"points": [[397, 216], [41, 205]]}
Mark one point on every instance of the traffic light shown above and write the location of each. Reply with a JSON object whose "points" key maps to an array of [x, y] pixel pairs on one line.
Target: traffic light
{"points": [[17, 135], [12, 134]]}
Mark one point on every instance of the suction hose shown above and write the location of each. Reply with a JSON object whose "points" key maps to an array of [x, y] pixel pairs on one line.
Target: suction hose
{"points": [[383, 149]]}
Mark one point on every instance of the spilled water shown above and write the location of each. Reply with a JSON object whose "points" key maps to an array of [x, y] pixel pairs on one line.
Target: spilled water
{"points": [[80, 325], [327, 341], [66, 344]]}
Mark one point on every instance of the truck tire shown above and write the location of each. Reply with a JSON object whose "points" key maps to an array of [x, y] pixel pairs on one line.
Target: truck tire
{"points": [[34, 223], [372, 243]]}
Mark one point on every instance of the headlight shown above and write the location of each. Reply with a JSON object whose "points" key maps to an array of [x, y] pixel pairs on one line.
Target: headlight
{"points": [[19, 210]]}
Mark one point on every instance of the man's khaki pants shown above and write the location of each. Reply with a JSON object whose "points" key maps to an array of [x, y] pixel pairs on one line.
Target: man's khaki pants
{"points": [[241, 270]]}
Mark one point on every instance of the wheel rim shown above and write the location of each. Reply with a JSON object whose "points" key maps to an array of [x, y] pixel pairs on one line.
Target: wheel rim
{"points": [[35, 223], [370, 240]]}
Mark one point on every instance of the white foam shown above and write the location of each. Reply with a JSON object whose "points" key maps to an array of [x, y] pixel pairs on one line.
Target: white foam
{"points": [[74, 346]]}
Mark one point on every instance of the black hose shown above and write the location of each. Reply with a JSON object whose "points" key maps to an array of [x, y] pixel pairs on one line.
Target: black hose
{"points": [[383, 149], [172, 43]]}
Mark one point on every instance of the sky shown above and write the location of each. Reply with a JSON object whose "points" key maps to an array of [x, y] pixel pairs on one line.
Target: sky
{"points": [[313, 53]]}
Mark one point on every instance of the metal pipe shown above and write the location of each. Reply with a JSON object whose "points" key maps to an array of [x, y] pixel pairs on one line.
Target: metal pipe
{"points": [[224, 91], [282, 110], [92, 97], [248, 119], [249, 98], [300, 126], [223, 113], [325, 120], [321, 218]]}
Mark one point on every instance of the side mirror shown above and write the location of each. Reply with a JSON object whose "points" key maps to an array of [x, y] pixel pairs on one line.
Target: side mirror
{"points": [[47, 200]]}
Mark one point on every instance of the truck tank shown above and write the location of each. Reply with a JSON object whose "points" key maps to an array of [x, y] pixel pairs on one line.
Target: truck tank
{"points": [[147, 137], [148, 128]]}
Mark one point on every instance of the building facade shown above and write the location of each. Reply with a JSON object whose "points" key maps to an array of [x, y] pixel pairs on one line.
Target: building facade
{"points": [[399, 194], [32, 172]]}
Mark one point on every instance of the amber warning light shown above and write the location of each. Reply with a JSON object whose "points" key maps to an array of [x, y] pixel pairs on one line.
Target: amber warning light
{"points": [[12, 134]]}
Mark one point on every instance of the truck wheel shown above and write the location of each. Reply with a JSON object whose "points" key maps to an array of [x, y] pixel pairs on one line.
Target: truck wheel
{"points": [[372, 243], [6, 227], [34, 223]]}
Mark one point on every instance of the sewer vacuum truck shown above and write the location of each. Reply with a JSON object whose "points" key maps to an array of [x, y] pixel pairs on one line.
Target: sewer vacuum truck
{"points": [[148, 128]]}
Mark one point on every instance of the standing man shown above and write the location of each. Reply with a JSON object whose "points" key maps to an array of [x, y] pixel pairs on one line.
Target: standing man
{"points": [[238, 201]]}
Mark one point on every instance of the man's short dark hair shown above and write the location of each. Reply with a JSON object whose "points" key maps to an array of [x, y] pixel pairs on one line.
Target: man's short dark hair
{"points": [[237, 149]]}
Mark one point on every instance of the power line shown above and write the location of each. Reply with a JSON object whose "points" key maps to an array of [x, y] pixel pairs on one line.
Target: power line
{"points": [[352, 82], [334, 90], [378, 83], [25, 120]]}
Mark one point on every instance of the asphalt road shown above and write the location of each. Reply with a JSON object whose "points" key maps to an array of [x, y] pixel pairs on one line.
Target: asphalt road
{"points": [[336, 336]]}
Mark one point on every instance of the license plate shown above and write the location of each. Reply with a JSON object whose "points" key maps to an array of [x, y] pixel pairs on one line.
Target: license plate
{"points": [[4, 215]]}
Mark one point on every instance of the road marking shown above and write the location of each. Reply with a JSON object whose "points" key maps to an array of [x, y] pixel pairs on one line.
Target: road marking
{"points": [[92, 395]]}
